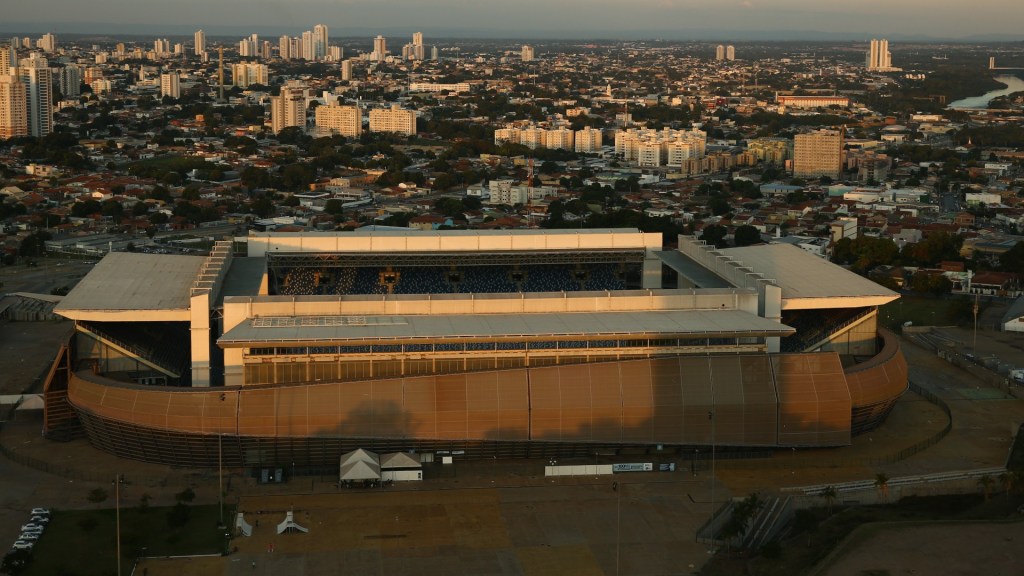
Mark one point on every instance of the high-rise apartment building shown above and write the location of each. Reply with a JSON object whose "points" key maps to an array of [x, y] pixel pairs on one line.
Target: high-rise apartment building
{"points": [[720, 52], [199, 43], [48, 43], [8, 59], [12, 55], [170, 85], [38, 79], [418, 49], [346, 70], [817, 154], [307, 45], [245, 74], [527, 53], [13, 107], [320, 42], [394, 120], [380, 48], [730, 52], [288, 109], [284, 44], [588, 140], [70, 81], [878, 56], [342, 120]]}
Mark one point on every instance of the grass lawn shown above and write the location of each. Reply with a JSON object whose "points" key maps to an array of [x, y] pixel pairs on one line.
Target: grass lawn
{"points": [[83, 542], [925, 311]]}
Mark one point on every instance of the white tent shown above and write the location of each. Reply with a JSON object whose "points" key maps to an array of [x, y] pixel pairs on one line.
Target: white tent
{"points": [[399, 466], [289, 525], [360, 465]]}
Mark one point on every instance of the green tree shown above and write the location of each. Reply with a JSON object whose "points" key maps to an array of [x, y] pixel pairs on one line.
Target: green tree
{"points": [[747, 235], [986, 482], [882, 484], [34, 245], [97, 495], [334, 207], [714, 234], [830, 494]]}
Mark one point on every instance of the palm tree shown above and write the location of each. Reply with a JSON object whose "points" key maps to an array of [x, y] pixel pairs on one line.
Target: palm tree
{"points": [[882, 484], [1006, 480], [986, 482], [829, 493]]}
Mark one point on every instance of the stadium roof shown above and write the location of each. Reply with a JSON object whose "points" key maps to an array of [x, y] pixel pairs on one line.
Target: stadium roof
{"points": [[691, 271], [244, 278], [314, 330], [808, 281], [129, 287]]}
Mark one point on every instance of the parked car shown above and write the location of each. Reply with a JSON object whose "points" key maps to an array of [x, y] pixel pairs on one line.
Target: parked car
{"points": [[40, 511], [23, 545], [33, 528], [29, 536]]}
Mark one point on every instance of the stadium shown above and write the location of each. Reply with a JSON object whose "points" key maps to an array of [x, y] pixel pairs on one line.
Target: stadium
{"points": [[296, 348]]}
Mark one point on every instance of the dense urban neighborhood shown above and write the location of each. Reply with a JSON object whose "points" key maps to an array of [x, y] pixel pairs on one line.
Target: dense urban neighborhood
{"points": [[848, 151]]}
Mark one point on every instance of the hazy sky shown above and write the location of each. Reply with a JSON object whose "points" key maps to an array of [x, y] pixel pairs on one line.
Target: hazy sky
{"points": [[940, 19]]}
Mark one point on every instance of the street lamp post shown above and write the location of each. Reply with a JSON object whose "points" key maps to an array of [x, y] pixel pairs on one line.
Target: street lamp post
{"points": [[117, 518], [220, 476]]}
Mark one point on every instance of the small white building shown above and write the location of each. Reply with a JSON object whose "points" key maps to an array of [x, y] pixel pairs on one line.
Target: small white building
{"points": [[1013, 320]]}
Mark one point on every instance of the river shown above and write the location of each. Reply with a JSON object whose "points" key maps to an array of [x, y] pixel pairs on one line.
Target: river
{"points": [[1013, 84]]}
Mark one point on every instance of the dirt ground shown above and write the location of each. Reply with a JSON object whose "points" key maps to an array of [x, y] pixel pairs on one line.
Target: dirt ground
{"points": [[641, 528], [948, 549]]}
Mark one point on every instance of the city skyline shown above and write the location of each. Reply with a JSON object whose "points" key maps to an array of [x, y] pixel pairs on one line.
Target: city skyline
{"points": [[570, 19]]}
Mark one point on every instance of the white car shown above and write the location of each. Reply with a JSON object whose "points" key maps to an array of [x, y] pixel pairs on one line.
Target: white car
{"points": [[40, 520], [23, 545], [40, 512], [33, 528], [29, 536]]}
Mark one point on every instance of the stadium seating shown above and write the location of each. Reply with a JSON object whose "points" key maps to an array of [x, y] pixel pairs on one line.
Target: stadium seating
{"points": [[447, 280]]}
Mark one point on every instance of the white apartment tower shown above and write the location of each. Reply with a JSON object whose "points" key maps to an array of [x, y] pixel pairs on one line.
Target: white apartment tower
{"points": [[418, 50], [38, 79], [284, 45], [730, 52], [199, 43], [288, 109], [320, 42], [380, 48], [588, 140], [170, 85], [878, 56], [245, 74], [527, 53], [346, 70], [720, 52], [13, 107], [394, 120], [48, 43], [342, 120]]}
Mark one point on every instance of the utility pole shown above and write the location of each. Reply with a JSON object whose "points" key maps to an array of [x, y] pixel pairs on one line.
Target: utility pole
{"points": [[974, 346]]}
